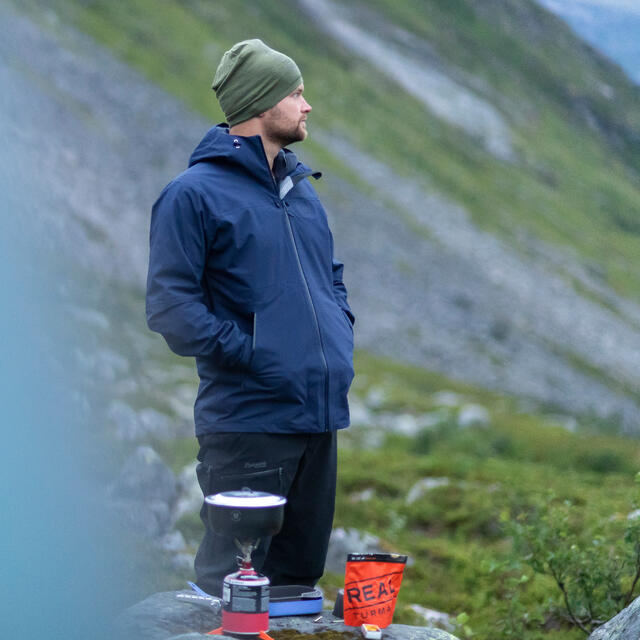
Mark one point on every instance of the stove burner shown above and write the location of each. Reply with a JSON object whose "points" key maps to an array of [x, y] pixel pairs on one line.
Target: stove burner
{"points": [[247, 516]]}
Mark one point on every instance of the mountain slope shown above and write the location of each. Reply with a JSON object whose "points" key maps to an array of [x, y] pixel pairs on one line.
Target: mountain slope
{"points": [[481, 172], [611, 27]]}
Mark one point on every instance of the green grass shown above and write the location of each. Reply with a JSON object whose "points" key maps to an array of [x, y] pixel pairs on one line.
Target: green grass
{"points": [[455, 533]]}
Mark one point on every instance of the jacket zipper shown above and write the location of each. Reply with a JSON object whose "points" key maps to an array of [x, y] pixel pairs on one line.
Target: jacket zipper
{"points": [[308, 292], [255, 330], [315, 318]]}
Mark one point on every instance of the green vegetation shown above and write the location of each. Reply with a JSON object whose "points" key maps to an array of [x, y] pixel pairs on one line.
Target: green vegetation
{"points": [[512, 494], [596, 569], [480, 538], [518, 491]]}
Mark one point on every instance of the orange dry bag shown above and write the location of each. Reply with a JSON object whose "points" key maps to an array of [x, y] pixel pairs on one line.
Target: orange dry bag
{"points": [[371, 585]]}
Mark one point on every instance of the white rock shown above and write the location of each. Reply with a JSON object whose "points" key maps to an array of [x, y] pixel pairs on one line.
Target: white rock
{"points": [[376, 397], [406, 424], [125, 420], [606, 90], [183, 561], [432, 617], [345, 541], [190, 494], [566, 422], [362, 496], [472, 414], [105, 364], [359, 413], [182, 399], [91, 317], [434, 418], [154, 423], [423, 485], [131, 426], [144, 477], [373, 438], [111, 364], [634, 515], [125, 387], [173, 541]]}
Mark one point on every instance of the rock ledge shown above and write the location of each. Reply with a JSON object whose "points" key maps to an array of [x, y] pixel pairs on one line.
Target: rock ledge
{"points": [[162, 616]]}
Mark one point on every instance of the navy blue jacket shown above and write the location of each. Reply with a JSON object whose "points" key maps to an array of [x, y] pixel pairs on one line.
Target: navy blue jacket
{"points": [[244, 280]]}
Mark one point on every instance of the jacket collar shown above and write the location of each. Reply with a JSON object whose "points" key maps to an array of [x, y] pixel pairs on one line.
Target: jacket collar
{"points": [[247, 153]]}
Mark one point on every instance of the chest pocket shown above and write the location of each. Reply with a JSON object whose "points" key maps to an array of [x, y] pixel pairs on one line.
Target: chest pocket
{"points": [[305, 207], [251, 260]]}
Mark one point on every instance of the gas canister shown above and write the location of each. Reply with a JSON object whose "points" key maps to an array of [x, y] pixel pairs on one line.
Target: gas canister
{"points": [[245, 602]]}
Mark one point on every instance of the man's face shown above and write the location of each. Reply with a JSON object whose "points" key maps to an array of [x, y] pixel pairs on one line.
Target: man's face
{"points": [[286, 122]]}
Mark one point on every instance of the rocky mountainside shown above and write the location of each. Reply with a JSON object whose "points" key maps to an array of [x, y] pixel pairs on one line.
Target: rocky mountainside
{"points": [[611, 27], [433, 280]]}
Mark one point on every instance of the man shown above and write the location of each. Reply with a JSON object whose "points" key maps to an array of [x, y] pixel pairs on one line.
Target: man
{"points": [[242, 276]]}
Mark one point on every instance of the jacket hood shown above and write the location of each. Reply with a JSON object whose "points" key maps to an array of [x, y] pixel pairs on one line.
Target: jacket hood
{"points": [[248, 153]]}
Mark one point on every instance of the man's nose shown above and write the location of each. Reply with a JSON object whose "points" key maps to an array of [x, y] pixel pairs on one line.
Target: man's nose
{"points": [[306, 107]]}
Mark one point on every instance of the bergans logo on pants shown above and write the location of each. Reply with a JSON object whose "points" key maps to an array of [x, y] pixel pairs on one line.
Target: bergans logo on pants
{"points": [[371, 585]]}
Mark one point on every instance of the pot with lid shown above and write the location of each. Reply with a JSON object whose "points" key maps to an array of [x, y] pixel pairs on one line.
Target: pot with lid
{"points": [[245, 515]]}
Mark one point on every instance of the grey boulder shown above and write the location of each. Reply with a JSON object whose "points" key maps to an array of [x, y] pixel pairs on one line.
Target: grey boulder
{"points": [[162, 616], [144, 492], [625, 626]]}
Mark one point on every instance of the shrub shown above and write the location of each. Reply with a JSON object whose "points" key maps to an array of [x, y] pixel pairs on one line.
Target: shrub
{"points": [[605, 461], [595, 568]]}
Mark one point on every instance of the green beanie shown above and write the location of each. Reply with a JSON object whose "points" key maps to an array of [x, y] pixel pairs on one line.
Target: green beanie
{"points": [[251, 78]]}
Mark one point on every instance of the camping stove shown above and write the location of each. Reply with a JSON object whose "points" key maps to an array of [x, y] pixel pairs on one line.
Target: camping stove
{"points": [[247, 516]]}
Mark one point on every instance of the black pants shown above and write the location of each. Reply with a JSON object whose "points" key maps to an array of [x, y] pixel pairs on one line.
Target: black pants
{"points": [[301, 467]]}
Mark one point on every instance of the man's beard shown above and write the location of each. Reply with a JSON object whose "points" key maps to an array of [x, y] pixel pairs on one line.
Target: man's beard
{"points": [[282, 131]]}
